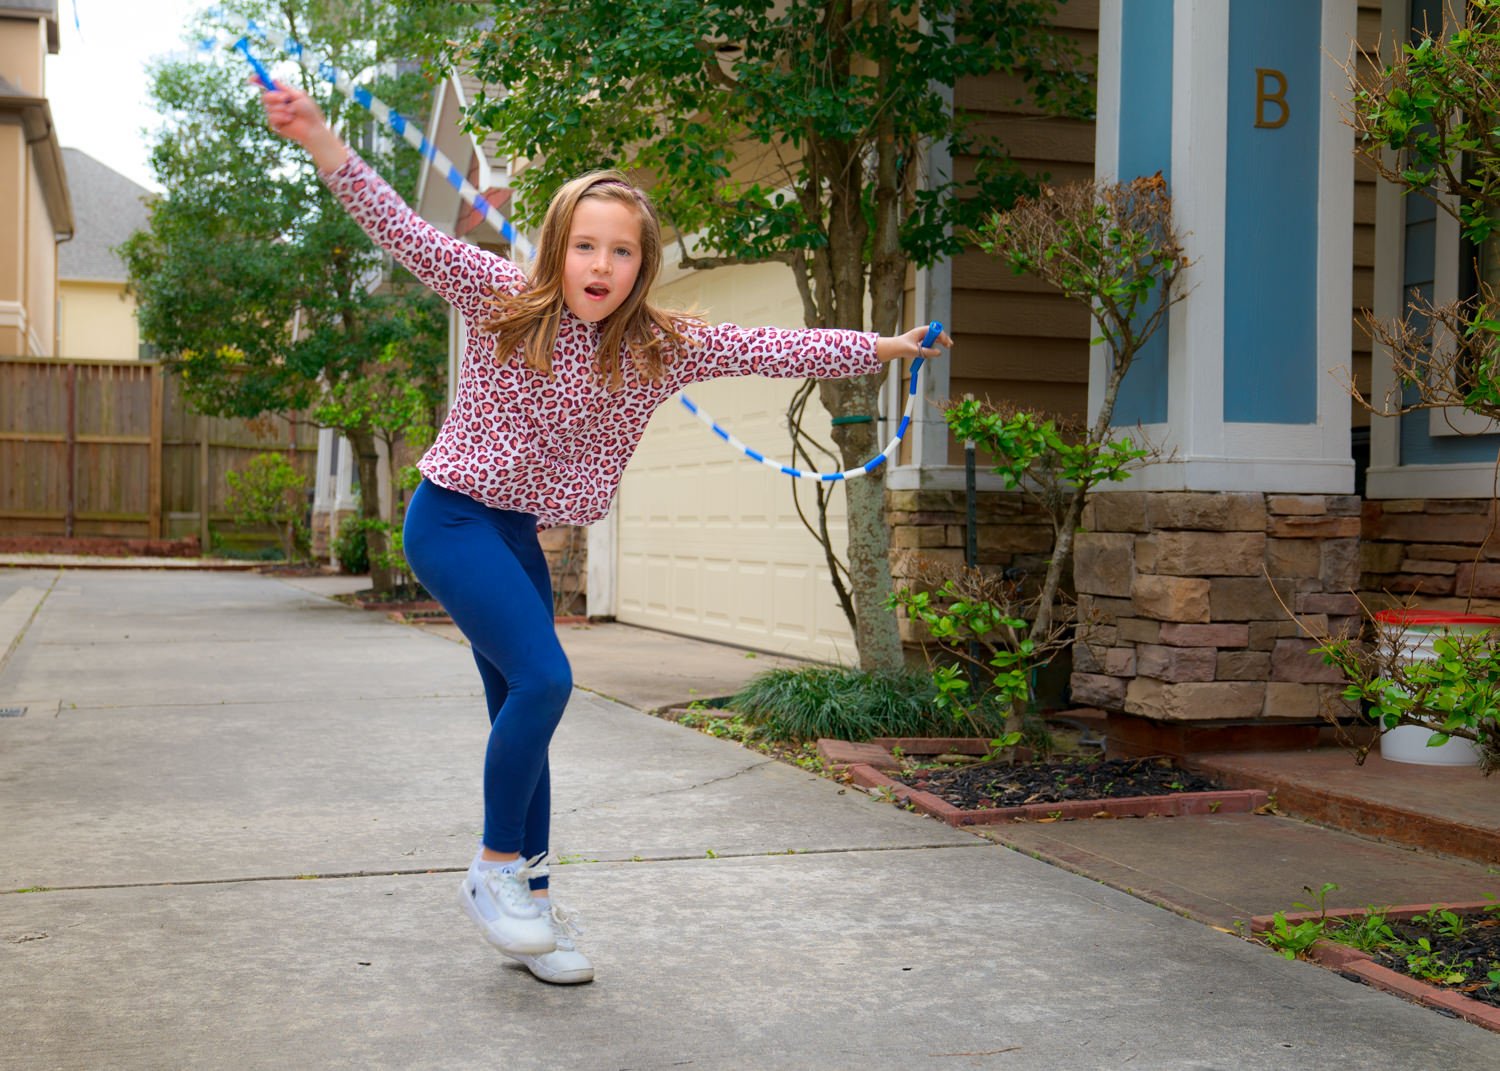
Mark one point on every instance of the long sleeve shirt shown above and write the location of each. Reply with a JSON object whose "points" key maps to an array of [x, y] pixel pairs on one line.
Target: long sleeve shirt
{"points": [[555, 446]]}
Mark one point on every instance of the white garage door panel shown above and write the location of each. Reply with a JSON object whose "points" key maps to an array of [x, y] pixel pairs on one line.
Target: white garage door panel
{"points": [[711, 545]]}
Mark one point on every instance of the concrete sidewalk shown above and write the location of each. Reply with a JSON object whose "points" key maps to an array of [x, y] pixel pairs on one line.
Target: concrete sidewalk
{"points": [[243, 807]]}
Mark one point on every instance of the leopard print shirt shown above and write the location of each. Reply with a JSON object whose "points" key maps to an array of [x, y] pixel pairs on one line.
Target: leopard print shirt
{"points": [[556, 446]]}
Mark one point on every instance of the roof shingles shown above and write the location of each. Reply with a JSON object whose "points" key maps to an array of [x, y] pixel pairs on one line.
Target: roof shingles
{"points": [[108, 208]]}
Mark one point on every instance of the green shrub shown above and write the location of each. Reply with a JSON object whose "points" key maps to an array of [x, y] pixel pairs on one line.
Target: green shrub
{"points": [[351, 548], [845, 704], [271, 491]]}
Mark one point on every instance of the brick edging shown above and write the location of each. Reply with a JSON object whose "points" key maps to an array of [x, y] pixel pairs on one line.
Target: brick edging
{"points": [[1364, 966], [1234, 801]]}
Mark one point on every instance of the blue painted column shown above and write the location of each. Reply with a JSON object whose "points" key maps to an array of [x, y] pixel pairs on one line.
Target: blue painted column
{"points": [[1236, 103]]}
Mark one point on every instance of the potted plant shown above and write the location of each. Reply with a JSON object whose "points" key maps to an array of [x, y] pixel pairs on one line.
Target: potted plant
{"points": [[1427, 119], [1430, 678]]}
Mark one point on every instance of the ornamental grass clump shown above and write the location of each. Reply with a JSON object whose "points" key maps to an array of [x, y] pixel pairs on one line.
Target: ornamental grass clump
{"points": [[842, 704]]}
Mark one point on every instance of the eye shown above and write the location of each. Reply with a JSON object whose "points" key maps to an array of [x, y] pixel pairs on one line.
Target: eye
{"points": [[622, 251], [583, 246]]}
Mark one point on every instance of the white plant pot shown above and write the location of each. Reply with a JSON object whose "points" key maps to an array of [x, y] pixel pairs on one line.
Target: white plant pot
{"points": [[1417, 631], [1408, 743]]}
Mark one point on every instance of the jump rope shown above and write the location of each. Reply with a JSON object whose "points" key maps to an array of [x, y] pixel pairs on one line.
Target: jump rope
{"points": [[445, 167]]}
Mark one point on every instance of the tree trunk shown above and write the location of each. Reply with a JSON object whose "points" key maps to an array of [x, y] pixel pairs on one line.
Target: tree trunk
{"points": [[367, 459], [875, 633]]}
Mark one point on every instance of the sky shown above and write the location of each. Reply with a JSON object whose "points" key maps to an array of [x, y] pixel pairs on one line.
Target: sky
{"points": [[97, 83]]}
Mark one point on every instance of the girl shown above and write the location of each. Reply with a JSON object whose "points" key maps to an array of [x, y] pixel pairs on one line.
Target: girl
{"points": [[563, 368]]}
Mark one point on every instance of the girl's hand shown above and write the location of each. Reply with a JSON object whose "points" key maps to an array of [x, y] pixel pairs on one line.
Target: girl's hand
{"points": [[292, 114], [909, 345]]}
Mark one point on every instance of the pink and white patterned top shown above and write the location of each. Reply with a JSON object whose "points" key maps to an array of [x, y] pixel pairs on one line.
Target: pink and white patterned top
{"points": [[556, 446]]}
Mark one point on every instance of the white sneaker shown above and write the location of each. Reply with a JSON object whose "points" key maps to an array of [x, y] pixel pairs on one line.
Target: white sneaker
{"points": [[501, 905], [565, 965]]}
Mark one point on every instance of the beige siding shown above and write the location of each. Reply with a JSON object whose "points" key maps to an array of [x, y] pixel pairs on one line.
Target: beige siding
{"points": [[98, 321], [14, 169], [41, 269]]}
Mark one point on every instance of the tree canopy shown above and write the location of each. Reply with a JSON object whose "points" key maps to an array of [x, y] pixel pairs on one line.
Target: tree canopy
{"points": [[252, 281]]}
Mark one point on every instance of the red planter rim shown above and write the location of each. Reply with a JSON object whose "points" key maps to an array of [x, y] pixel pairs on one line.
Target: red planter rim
{"points": [[1434, 619]]}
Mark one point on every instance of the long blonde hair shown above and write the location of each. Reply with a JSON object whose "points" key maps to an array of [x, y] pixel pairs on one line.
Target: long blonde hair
{"points": [[529, 320]]}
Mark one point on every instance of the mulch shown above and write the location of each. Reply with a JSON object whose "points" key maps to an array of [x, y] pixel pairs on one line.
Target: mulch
{"points": [[1000, 783], [1474, 953], [101, 546]]}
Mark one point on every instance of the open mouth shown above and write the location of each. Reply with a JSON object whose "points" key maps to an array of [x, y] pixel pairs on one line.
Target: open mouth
{"points": [[596, 290]]}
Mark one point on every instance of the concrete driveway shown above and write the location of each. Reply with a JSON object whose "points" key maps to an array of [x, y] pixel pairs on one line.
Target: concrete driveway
{"points": [[234, 812]]}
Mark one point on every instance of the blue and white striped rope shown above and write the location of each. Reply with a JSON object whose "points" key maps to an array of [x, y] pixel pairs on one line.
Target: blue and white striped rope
{"points": [[445, 167], [399, 124], [928, 341]]}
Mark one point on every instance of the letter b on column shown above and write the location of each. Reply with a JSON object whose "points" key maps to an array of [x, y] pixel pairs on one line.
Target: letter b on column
{"points": [[1265, 77]]}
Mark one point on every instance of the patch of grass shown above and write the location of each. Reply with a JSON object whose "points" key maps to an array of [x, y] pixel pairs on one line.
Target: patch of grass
{"points": [[844, 704]]}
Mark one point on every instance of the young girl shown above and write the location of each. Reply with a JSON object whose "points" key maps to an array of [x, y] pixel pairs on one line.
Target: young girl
{"points": [[562, 370]]}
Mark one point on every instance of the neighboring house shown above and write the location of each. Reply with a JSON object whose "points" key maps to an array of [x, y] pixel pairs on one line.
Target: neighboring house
{"points": [[36, 212], [97, 316]]}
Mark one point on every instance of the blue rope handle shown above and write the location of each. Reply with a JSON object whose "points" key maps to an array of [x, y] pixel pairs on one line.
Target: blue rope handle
{"points": [[445, 167]]}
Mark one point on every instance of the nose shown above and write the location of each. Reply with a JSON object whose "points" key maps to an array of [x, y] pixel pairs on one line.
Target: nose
{"points": [[601, 265]]}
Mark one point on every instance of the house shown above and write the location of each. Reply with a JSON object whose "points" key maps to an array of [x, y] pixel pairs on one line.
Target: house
{"points": [[1238, 105], [702, 543], [36, 211], [96, 315]]}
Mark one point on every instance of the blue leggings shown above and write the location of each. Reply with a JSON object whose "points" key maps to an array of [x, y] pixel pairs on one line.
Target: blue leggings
{"points": [[486, 567]]}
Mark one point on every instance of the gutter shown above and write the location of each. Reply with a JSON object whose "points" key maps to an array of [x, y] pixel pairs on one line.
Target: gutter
{"points": [[35, 116]]}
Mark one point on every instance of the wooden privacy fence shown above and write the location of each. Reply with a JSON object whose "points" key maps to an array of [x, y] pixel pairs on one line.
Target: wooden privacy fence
{"points": [[110, 448]]}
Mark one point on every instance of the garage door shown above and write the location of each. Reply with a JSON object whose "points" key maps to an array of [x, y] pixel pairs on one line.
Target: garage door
{"points": [[709, 544]]}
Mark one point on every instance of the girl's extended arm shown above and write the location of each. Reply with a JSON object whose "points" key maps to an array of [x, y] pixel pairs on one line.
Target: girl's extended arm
{"points": [[728, 350], [456, 271]]}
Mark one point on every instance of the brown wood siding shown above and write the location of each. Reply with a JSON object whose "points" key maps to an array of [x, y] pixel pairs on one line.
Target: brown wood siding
{"points": [[1016, 341]]}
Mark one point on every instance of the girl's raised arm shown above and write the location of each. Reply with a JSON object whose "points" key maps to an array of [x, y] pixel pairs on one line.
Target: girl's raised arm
{"points": [[459, 273]]}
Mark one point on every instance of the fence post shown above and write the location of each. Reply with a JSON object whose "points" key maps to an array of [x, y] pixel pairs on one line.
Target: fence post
{"points": [[153, 479], [203, 484], [71, 440]]}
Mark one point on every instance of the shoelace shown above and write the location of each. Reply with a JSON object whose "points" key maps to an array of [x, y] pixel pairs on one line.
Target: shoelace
{"points": [[565, 927], [514, 888]]}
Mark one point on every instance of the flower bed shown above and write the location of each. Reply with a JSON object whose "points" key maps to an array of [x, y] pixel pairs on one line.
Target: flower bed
{"points": [[1472, 995], [864, 766]]}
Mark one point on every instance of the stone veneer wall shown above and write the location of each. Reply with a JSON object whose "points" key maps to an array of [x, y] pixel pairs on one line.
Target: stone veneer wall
{"points": [[929, 525], [1179, 619], [1428, 549]]}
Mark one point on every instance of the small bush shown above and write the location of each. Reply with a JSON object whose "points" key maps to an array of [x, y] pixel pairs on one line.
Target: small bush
{"points": [[845, 704], [350, 546], [270, 491]]}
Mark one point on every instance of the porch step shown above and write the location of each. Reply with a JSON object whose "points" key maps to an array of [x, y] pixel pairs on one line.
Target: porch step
{"points": [[1446, 809]]}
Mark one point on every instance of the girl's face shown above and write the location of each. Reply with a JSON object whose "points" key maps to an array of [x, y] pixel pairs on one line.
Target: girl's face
{"points": [[603, 258]]}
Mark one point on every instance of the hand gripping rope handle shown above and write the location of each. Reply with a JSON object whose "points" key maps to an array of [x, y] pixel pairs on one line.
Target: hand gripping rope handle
{"points": [[445, 167]]}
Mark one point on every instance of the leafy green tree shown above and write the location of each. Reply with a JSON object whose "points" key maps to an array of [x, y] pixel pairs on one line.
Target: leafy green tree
{"points": [[252, 281], [795, 132]]}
